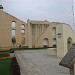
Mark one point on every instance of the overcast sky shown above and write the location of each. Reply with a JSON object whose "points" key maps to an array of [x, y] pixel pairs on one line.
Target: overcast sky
{"points": [[51, 10]]}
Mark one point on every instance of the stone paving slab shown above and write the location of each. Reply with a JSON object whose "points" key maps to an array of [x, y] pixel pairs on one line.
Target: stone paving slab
{"points": [[39, 62]]}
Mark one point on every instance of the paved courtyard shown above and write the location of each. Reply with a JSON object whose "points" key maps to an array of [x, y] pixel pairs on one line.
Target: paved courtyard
{"points": [[39, 62]]}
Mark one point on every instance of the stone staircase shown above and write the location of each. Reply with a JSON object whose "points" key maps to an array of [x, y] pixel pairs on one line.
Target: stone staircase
{"points": [[69, 58]]}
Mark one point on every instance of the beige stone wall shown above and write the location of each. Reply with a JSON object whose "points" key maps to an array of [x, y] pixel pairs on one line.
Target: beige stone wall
{"points": [[52, 51], [5, 30], [60, 44], [64, 31], [47, 34], [37, 31], [67, 32]]}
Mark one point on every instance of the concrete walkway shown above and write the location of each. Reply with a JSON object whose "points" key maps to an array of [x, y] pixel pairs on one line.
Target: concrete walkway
{"points": [[39, 62]]}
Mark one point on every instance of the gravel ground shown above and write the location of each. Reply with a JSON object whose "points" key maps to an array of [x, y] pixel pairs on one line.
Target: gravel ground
{"points": [[39, 62]]}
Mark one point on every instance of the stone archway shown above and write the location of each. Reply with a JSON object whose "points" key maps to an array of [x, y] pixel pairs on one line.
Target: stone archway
{"points": [[45, 42], [69, 43]]}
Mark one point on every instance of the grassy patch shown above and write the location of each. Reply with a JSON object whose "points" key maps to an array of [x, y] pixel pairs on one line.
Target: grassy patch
{"points": [[5, 67], [4, 54], [13, 49]]}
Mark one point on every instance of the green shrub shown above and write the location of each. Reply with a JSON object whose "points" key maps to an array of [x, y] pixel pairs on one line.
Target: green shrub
{"points": [[5, 67]]}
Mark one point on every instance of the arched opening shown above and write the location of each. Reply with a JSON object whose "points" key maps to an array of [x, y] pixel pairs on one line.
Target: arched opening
{"points": [[13, 41], [45, 43], [13, 24], [22, 31], [69, 43], [13, 32], [23, 40], [54, 43], [54, 31], [22, 26]]}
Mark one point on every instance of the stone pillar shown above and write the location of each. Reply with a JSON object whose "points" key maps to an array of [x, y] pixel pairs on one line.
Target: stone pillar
{"points": [[42, 28], [39, 29], [29, 34], [33, 35], [36, 32]]}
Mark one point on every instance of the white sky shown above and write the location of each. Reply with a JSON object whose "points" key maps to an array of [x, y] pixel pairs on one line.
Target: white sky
{"points": [[51, 10]]}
